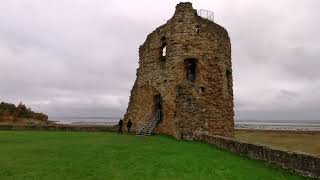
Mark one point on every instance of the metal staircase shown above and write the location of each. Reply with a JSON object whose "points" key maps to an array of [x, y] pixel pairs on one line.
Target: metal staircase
{"points": [[146, 128]]}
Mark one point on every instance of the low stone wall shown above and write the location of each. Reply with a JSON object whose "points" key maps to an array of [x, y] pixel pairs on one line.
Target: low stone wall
{"points": [[58, 128], [302, 163]]}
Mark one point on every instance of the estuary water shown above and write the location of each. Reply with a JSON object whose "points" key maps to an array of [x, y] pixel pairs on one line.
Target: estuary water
{"points": [[106, 121], [302, 125]]}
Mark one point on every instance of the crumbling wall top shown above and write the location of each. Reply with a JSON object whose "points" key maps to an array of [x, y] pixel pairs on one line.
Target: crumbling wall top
{"points": [[183, 6]]}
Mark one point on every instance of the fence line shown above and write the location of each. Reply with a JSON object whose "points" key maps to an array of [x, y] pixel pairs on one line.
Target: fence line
{"points": [[206, 14]]}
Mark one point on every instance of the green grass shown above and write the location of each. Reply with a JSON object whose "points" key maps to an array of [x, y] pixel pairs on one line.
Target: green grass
{"points": [[81, 155]]}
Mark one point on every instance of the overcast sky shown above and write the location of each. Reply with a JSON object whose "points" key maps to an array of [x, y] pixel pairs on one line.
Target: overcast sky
{"points": [[79, 57]]}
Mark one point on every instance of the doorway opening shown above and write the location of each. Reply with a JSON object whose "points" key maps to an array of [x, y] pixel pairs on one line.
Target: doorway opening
{"points": [[190, 68], [229, 81], [158, 105]]}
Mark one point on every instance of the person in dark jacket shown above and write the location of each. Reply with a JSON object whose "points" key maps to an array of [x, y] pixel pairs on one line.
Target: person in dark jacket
{"points": [[129, 124], [120, 126]]}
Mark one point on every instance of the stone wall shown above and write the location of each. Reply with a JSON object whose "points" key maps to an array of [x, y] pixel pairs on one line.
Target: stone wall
{"points": [[58, 128], [301, 163], [203, 105]]}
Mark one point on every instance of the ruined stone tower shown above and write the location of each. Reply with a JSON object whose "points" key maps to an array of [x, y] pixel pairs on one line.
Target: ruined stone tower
{"points": [[185, 72]]}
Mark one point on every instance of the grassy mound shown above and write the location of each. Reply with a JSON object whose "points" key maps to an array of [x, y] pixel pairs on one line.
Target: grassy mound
{"points": [[81, 155]]}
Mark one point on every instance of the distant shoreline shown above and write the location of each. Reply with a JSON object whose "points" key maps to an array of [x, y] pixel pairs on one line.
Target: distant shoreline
{"points": [[278, 126], [94, 123], [239, 124], [100, 121]]}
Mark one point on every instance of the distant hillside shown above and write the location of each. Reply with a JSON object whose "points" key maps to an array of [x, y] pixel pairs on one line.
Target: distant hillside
{"points": [[10, 113]]}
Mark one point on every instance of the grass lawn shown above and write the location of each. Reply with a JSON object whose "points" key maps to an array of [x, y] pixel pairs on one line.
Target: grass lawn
{"points": [[82, 155]]}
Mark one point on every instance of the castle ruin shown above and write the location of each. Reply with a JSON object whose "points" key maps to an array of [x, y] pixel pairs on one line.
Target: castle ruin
{"points": [[184, 80]]}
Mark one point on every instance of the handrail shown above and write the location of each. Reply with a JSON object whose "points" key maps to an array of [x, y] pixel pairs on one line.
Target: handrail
{"points": [[206, 14], [146, 114], [155, 121], [142, 120], [147, 128]]}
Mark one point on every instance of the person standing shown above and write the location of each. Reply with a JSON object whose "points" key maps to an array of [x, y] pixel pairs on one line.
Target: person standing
{"points": [[120, 126], [129, 124]]}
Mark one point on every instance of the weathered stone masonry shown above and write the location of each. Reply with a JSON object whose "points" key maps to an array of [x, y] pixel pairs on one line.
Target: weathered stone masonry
{"points": [[186, 62]]}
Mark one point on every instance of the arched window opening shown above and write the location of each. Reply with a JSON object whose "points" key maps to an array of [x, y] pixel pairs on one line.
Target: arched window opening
{"points": [[163, 49], [229, 79], [158, 105], [202, 89], [197, 29], [191, 66]]}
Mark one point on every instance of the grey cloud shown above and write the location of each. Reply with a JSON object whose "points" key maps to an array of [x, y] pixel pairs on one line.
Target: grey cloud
{"points": [[288, 94], [80, 58]]}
